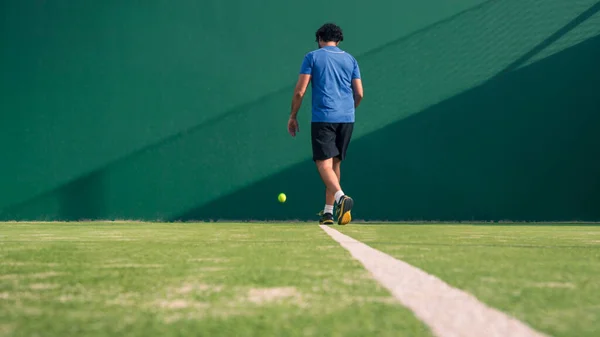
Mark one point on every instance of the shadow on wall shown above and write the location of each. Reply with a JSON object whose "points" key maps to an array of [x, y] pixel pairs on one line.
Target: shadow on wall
{"points": [[83, 198], [523, 146]]}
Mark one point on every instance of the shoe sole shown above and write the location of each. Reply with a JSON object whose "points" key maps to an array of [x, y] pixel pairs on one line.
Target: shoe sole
{"points": [[345, 208], [328, 222], [346, 219]]}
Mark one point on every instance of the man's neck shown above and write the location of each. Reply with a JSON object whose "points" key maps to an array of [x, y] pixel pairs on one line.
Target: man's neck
{"points": [[329, 44]]}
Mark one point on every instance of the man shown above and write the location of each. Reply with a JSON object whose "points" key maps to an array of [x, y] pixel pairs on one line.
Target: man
{"points": [[336, 93]]}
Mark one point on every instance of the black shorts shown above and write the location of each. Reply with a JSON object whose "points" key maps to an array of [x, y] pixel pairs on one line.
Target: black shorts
{"points": [[330, 140]]}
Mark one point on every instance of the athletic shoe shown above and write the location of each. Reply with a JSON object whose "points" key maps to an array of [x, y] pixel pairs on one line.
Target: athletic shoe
{"points": [[343, 210], [326, 218]]}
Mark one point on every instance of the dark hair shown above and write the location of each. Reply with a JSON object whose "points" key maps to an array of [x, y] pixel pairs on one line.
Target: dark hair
{"points": [[329, 32]]}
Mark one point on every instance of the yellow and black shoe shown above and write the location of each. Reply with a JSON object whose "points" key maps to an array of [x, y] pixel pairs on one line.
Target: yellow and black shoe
{"points": [[326, 218], [343, 210]]}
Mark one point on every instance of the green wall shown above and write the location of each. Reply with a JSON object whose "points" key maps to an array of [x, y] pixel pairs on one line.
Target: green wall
{"points": [[177, 110]]}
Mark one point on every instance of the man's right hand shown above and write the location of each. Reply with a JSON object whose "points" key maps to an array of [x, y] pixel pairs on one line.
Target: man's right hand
{"points": [[357, 88], [293, 126]]}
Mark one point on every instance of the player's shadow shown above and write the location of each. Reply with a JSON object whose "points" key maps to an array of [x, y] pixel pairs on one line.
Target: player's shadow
{"points": [[523, 146]]}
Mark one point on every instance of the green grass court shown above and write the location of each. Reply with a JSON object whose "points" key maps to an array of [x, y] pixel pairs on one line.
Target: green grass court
{"points": [[142, 279]]}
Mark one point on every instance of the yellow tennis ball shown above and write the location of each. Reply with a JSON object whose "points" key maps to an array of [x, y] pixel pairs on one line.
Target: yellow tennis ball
{"points": [[281, 197]]}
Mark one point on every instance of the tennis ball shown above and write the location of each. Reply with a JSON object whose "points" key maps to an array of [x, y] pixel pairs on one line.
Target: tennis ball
{"points": [[281, 197]]}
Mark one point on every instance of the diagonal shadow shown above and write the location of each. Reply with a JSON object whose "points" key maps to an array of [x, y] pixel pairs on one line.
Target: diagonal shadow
{"points": [[522, 146], [161, 152], [552, 38], [239, 109], [429, 27]]}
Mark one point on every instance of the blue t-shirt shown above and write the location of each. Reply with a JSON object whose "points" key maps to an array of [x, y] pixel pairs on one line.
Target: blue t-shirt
{"points": [[332, 71]]}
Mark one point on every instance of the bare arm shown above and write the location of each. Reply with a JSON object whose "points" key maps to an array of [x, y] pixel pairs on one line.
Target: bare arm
{"points": [[357, 88], [299, 92]]}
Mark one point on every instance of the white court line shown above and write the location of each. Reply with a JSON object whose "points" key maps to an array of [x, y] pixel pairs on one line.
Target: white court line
{"points": [[449, 312]]}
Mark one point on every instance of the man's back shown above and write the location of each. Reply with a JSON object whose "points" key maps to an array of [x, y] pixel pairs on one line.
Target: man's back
{"points": [[332, 71]]}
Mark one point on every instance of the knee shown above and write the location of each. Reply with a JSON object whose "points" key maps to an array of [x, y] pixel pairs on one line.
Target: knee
{"points": [[324, 164]]}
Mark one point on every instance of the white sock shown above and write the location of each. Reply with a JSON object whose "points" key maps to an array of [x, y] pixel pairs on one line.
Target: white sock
{"points": [[338, 195], [328, 209]]}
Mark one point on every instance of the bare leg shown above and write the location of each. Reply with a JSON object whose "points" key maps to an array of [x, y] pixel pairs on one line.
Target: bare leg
{"points": [[329, 177], [330, 196], [337, 163]]}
